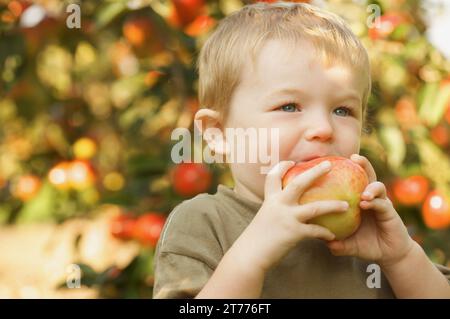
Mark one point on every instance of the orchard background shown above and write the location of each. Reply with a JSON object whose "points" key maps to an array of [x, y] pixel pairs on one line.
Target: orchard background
{"points": [[86, 116]]}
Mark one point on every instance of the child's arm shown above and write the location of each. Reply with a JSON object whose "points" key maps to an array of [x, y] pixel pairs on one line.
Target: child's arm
{"points": [[383, 238], [234, 277], [277, 227], [415, 276]]}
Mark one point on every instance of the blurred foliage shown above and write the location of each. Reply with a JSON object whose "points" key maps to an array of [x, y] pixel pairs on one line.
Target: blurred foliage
{"points": [[86, 115]]}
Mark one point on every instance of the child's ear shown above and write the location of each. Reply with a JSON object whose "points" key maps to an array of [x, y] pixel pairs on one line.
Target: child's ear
{"points": [[208, 122]]}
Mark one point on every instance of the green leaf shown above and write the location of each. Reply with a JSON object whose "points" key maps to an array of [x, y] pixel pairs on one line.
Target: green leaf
{"points": [[392, 139], [109, 12], [125, 90], [432, 102], [401, 32], [88, 275], [144, 164], [394, 77], [434, 162], [440, 104], [40, 208]]}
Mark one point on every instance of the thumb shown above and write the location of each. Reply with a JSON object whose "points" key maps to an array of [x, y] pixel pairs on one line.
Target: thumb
{"points": [[342, 248]]}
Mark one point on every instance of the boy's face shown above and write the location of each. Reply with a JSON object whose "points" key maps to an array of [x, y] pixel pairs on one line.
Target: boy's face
{"points": [[320, 115]]}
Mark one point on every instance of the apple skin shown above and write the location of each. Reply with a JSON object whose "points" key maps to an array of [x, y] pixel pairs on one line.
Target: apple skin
{"points": [[345, 181]]}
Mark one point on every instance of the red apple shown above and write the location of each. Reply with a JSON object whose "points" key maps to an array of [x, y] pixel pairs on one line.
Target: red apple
{"points": [[148, 228], [436, 210], [345, 181], [388, 23], [122, 226], [142, 33], [411, 190], [200, 25], [190, 179], [440, 135], [138, 30], [27, 187], [185, 11]]}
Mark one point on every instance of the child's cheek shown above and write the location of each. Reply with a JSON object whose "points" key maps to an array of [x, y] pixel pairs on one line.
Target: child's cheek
{"points": [[349, 142], [289, 145]]}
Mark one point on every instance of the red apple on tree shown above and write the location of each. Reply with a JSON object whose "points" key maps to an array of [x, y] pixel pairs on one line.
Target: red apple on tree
{"points": [[440, 135], [345, 181], [142, 33], [185, 11], [436, 210], [122, 226], [411, 190], [387, 24], [200, 25], [148, 228], [27, 187], [190, 179]]}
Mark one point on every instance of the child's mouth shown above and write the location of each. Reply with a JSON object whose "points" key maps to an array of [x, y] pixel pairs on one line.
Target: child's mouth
{"points": [[311, 157]]}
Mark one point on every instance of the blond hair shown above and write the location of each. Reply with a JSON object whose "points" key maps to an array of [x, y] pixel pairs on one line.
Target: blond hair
{"points": [[245, 31]]}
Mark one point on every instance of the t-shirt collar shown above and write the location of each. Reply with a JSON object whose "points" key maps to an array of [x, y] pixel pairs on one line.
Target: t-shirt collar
{"points": [[232, 195]]}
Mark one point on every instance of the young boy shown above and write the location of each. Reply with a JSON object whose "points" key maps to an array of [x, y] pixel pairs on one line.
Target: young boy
{"points": [[298, 69]]}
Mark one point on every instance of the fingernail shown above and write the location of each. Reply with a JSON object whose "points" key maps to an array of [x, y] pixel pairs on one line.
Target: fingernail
{"points": [[344, 205], [367, 194], [326, 164], [276, 168]]}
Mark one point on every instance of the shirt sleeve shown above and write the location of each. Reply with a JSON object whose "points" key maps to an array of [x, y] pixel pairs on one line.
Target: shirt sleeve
{"points": [[179, 276], [188, 250]]}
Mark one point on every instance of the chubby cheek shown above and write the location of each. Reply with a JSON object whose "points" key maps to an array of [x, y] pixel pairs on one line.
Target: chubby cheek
{"points": [[281, 144], [289, 137], [348, 141]]}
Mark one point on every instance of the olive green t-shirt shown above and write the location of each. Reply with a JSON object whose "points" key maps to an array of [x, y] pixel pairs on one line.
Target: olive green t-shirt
{"points": [[199, 231]]}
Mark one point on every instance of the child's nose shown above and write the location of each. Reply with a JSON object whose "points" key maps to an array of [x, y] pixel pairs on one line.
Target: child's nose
{"points": [[319, 128]]}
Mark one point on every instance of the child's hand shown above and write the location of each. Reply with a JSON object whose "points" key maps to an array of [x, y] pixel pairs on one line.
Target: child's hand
{"points": [[382, 236], [281, 222]]}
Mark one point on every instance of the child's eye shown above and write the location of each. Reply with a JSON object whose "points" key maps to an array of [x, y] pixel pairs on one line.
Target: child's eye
{"points": [[289, 107], [343, 111]]}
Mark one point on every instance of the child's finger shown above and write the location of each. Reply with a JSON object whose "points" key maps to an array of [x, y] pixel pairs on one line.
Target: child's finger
{"points": [[366, 165], [381, 207], [374, 190], [300, 183], [316, 231], [342, 248], [273, 179], [311, 210]]}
